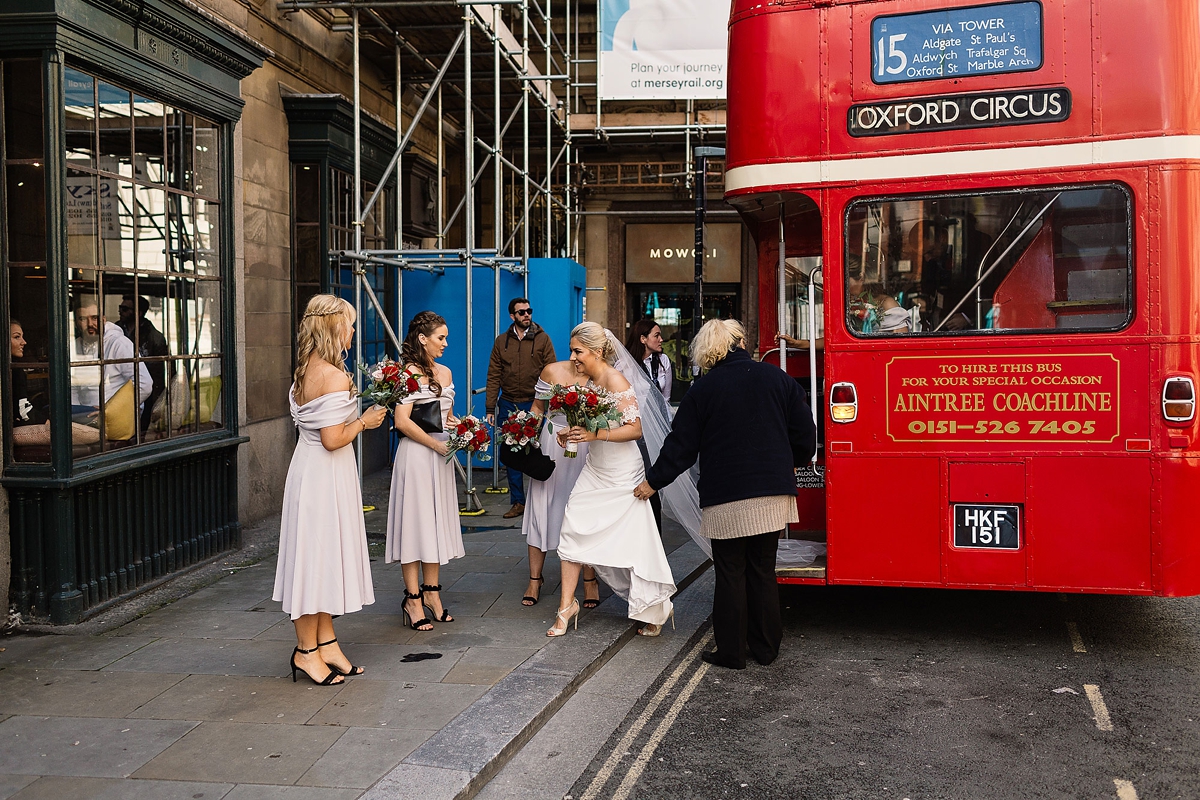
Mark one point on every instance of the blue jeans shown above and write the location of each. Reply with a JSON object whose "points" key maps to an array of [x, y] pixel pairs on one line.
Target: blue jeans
{"points": [[516, 481]]}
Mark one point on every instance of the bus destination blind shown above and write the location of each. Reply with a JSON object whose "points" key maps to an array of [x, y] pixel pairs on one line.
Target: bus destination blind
{"points": [[957, 42]]}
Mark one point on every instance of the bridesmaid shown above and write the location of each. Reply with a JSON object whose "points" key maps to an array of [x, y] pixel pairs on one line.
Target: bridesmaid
{"points": [[324, 569], [547, 500], [423, 531]]}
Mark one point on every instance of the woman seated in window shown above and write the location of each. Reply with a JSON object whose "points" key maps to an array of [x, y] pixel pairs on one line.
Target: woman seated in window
{"points": [[31, 426], [25, 410], [889, 316]]}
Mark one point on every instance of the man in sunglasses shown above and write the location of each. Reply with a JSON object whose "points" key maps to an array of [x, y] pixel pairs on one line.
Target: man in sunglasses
{"points": [[518, 357]]}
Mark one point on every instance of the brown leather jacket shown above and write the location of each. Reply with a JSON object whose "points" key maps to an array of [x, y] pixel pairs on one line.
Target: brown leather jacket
{"points": [[516, 364]]}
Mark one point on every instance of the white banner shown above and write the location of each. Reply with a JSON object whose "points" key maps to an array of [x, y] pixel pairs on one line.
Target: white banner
{"points": [[663, 49]]}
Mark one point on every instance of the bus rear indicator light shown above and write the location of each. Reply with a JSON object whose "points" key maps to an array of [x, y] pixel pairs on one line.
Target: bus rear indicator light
{"points": [[843, 402], [1179, 399]]}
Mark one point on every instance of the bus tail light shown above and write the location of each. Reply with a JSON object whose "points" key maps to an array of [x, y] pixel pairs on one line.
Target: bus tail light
{"points": [[1179, 399], [843, 402]]}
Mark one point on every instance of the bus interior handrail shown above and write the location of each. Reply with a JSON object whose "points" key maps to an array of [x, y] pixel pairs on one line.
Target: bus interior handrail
{"points": [[996, 263]]}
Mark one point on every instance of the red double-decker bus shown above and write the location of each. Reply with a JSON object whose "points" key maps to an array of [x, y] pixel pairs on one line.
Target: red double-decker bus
{"points": [[979, 223]]}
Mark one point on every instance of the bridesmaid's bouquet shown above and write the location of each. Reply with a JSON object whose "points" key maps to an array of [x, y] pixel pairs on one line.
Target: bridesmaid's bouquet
{"points": [[389, 383], [588, 407], [470, 435], [520, 431]]}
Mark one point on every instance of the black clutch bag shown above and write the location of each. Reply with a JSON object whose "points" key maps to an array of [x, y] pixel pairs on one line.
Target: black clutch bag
{"points": [[428, 416], [532, 462]]}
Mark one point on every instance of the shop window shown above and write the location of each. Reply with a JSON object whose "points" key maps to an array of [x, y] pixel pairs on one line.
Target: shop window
{"points": [[671, 306], [21, 118], [144, 310], [1022, 261], [306, 236]]}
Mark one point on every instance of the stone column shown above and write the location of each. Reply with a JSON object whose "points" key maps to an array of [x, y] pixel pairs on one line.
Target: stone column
{"points": [[595, 259]]}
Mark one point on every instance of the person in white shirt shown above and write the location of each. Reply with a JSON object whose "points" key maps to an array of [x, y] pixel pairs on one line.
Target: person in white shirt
{"points": [[645, 343], [87, 393], [893, 318]]}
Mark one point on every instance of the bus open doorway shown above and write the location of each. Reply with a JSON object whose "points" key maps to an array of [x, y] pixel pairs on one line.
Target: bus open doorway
{"points": [[787, 229]]}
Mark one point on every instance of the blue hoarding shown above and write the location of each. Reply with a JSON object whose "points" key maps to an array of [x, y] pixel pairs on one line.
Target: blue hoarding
{"points": [[956, 42]]}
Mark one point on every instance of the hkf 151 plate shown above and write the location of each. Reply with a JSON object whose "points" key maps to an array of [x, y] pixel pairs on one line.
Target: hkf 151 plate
{"points": [[995, 527]]}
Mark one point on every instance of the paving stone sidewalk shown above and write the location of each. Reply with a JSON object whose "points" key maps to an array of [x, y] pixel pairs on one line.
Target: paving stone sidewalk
{"points": [[193, 699]]}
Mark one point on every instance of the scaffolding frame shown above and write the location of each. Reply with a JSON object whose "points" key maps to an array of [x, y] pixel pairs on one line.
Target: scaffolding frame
{"points": [[516, 189], [483, 23]]}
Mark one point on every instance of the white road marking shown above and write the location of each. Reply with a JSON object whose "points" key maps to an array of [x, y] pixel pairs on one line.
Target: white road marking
{"points": [[639, 764], [1125, 790], [1076, 639], [1103, 720], [622, 748]]}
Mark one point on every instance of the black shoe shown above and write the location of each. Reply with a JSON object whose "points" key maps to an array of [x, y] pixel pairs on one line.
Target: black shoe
{"points": [[445, 617], [417, 625], [588, 602], [330, 680], [715, 659], [353, 669], [530, 600], [766, 662]]}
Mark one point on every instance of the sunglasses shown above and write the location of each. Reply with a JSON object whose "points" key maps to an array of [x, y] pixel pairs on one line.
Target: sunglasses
{"points": [[523, 312]]}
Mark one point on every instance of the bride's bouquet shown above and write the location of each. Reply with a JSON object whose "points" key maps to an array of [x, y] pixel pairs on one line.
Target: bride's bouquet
{"points": [[470, 435], [389, 385], [588, 407], [520, 431]]}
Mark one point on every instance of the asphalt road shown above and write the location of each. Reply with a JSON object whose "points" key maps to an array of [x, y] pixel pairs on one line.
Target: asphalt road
{"points": [[902, 693]]}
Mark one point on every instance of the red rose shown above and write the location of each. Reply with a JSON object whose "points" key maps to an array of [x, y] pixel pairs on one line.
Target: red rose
{"points": [[461, 429], [412, 385], [592, 400], [481, 437], [391, 372], [556, 402], [572, 398], [530, 432]]}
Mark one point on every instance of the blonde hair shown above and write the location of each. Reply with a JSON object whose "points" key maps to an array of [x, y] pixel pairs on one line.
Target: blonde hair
{"points": [[716, 339], [325, 320], [593, 336]]}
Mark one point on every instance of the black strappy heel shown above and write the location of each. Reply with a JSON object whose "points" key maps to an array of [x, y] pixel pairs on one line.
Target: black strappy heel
{"points": [[533, 601], [330, 680], [425, 587], [416, 626], [353, 669], [588, 602]]}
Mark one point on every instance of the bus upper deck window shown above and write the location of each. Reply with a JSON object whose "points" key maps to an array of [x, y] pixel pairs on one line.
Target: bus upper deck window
{"points": [[1027, 260]]}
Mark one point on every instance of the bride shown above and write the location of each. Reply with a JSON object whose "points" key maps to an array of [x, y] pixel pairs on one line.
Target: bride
{"points": [[605, 525]]}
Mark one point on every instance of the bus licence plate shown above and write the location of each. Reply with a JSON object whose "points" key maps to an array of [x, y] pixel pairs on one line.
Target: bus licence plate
{"points": [[990, 526]]}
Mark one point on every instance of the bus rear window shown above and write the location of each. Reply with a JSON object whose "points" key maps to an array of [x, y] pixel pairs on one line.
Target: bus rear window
{"points": [[1021, 261]]}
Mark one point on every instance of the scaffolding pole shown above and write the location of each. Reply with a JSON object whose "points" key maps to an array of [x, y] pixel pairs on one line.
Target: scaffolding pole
{"points": [[358, 332], [497, 212]]}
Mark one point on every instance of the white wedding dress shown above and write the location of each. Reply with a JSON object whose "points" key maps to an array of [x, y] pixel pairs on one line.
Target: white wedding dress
{"points": [[606, 526]]}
